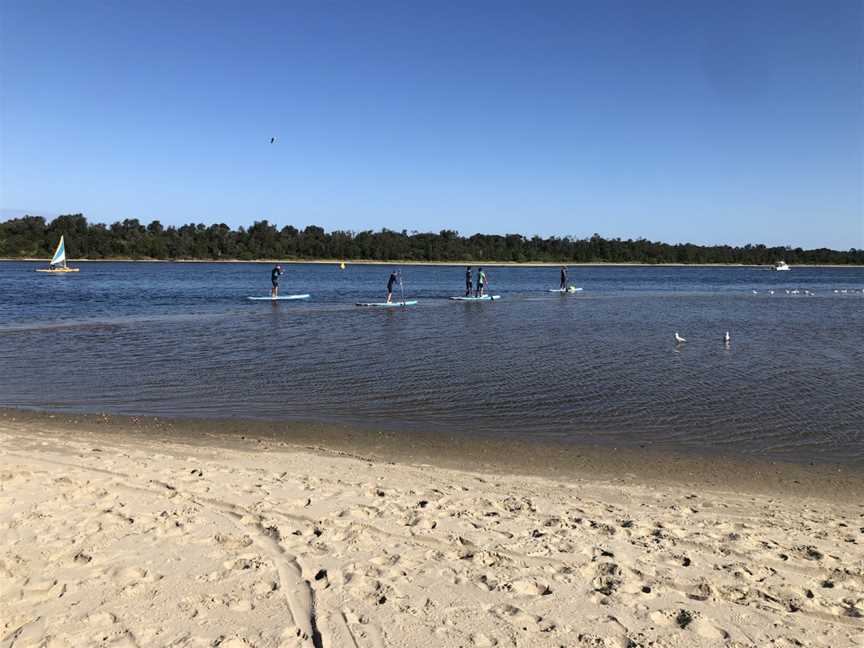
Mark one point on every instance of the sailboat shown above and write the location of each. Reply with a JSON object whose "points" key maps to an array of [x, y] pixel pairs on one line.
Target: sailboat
{"points": [[58, 262]]}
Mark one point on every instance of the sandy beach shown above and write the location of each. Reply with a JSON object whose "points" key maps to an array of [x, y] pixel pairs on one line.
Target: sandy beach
{"points": [[135, 535]]}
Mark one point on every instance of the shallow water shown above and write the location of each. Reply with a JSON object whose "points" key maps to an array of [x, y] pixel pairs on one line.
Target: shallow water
{"points": [[598, 367]]}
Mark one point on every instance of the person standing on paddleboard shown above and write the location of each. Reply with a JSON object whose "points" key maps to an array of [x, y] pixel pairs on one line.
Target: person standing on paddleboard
{"points": [[481, 282], [563, 278], [394, 277], [274, 279], [469, 283]]}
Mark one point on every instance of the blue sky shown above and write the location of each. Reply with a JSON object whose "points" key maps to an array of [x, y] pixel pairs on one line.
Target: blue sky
{"points": [[699, 121]]}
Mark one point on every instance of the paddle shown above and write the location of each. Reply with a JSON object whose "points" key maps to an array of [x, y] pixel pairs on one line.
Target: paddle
{"points": [[402, 288]]}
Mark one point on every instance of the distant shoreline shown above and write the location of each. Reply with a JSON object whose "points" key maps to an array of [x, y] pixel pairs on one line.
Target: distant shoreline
{"points": [[504, 264]]}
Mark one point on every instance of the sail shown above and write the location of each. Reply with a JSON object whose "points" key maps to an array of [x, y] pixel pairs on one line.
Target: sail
{"points": [[59, 254]]}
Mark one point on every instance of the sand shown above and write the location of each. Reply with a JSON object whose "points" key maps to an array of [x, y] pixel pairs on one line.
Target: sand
{"points": [[120, 538]]}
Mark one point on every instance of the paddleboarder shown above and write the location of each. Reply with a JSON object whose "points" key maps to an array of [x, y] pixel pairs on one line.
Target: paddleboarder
{"points": [[482, 282], [469, 283], [563, 278], [274, 279], [394, 277]]}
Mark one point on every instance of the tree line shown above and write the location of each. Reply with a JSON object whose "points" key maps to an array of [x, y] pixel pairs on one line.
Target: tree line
{"points": [[33, 236]]}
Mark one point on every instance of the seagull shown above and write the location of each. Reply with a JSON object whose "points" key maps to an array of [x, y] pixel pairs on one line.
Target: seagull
{"points": [[755, 292], [678, 338], [770, 292], [727, 338], [272, 140]]}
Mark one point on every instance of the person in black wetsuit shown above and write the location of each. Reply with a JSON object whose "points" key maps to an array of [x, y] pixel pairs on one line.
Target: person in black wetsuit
{"points": [[468, 282], [394, 277], [274, 279], [563, 277]]}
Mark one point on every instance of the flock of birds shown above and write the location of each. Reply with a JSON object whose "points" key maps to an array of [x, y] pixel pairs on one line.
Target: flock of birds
{"points": [[805, 291], [727, 339]]}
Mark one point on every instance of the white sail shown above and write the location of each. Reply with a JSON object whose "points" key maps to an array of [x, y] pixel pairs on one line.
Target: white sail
{"points": [[59, 254]]}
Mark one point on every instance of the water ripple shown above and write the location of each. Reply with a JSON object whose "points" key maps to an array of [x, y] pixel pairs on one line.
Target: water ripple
{"points": [[597, 368]]}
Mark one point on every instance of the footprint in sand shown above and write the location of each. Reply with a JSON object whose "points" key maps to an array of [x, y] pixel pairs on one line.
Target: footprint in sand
{"points": [[608, 579], [528, 587], [99, 619], [482, 641], [232, 642], [232, 543], [244, 562], [358, 628], [691, 621], [521, 619], [706, 629], [27, 634], [37, 590], [238, 605]]}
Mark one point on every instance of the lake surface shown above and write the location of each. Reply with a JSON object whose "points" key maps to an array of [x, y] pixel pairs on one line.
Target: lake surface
{"points": [[600, 367]]}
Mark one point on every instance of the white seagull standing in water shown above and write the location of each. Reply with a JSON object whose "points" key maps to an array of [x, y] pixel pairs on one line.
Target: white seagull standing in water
{"points": [[678, 338], [727, 338]]}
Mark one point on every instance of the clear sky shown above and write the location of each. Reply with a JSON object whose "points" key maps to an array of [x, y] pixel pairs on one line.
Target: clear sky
{"points": [[680, 120]]}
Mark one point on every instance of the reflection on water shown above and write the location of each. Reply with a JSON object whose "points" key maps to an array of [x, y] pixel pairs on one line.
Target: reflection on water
{"points": [[599, 367]]}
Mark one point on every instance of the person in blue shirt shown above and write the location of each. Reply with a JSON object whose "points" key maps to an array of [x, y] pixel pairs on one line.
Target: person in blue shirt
{"points": [[563, 277], [274, 279]]}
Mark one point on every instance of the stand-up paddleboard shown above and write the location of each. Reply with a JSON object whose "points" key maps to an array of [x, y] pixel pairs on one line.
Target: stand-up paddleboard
{"points": [[476, 299], [279, 298], [565, 290], [386, 305]]}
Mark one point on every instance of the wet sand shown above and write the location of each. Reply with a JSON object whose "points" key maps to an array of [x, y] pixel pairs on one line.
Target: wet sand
{"points": [[543, 457], [139, 531]]}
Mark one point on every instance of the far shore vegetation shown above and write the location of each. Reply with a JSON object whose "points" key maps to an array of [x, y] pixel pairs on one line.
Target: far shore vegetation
{"points": [[34, 237]]}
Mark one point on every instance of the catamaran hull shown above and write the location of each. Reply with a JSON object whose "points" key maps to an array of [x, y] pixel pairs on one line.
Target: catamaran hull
{"points": [[57, 271]]}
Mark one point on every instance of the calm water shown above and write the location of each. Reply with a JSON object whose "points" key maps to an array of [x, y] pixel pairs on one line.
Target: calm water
{"points": [[600, 367]]}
